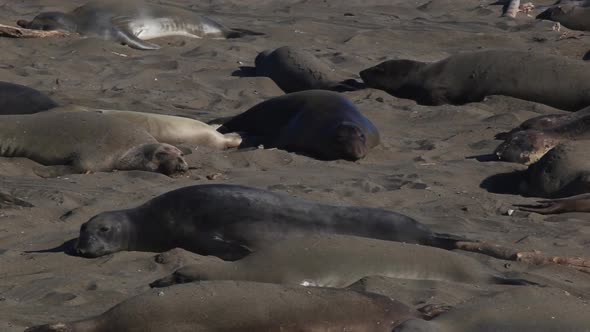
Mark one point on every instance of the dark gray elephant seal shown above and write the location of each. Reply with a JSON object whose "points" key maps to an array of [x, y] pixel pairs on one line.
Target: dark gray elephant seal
{"points": [[570, 15], [526, 146], [295, 70], [20, 99], [85, 142], [132, 22], [230, 222], [232, 306], [471, 76], [524, 309], [318, 123], [339, 261]]}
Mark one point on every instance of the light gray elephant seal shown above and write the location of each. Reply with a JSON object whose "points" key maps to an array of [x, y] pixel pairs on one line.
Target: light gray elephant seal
{"points": [[296, 70], [526, 146], [524, 309], [339, 261], [132, 22], [230, 221], [471, 76], [318, 123], [20, 99], [232, 306], [85, 142], [175, 130]]}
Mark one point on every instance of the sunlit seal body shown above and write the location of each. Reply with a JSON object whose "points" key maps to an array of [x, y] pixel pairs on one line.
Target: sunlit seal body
{"points": [[318, 123], [526, 146], [471, 76], [524, 309], [232, 306], [230, 222], [339, 261], [20, 99], [175, 130], [131, 22], [296, 70], [85, 142]]}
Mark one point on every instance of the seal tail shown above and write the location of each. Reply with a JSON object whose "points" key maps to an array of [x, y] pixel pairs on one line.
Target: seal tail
{"points": [[238, 33]]}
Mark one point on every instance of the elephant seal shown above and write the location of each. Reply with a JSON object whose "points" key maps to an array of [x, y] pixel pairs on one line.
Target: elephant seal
{"points": [[132, 22], [471, 76], [544, 133], [294, 70], [570, 15], [85, 142], [524, 309], [20, 99], [339, 261], [578, 203], [233, 306], [318, 123], [563, 171], [230, 221], [175, 130]]}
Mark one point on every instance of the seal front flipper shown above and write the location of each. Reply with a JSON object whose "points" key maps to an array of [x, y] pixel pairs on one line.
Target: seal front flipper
{"points": [[125, 35], [54, 171]]}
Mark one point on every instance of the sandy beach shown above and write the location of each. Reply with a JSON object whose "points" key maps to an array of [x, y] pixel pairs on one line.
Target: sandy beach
{"points": [[421, 168]]}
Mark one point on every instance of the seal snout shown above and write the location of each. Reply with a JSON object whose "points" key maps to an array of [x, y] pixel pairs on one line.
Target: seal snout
{"points": [[352, 141]]}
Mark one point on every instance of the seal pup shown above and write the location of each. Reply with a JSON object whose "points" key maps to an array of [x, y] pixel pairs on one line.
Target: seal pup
{"points": [[230, 221], [471, 76], [233, 306], [175, 130], [132, 22], [20, 99], [578, 203], [524, 309], [295, 70], [529, 145], [570, 15], [339, 261], [322, 124], [85, 142]]}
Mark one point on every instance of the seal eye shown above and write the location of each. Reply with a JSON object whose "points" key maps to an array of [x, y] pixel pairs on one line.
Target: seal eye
{"points": [[104, 229]]}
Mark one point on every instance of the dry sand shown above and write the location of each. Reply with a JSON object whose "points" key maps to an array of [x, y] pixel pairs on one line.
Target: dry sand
{"points": [[420, 169]]}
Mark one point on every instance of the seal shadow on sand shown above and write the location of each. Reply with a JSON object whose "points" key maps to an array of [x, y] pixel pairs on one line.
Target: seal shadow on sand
{"points": [[68, 248]]}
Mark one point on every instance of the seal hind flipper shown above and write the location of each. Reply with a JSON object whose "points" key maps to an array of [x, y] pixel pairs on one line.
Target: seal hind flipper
{"points": [[126, 36], [238, 33]]}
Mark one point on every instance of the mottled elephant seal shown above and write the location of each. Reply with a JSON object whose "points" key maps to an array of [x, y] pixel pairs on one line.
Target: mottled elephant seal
{"points": [[230, 221], [471, 76], [175, 130], [561, 172], [526, 146], [570, 15], [524, 309], [20, 99], [339, 261], [232, 306], [132, 22], [85, 142], [318, 123], [295, 70]]}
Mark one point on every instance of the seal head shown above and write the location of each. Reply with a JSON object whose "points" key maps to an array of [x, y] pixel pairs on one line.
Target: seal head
{"points": [[49, 21], [390, 75], [350, 141], [525, 147], [104, 234]]}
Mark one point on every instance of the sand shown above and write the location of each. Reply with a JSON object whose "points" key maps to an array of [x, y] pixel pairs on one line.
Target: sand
{"points": [[420, 169]]}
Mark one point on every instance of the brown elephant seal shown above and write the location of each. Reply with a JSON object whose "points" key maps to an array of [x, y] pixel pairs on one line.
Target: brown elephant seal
{"points": [[233, 306], [529, 145], [570, 15], [471, 76], [132, 22], [20, 99], [578, 203], [339, 261], [295, 70], [175, 130], [318, 123], [85, 142], [524, 309], [230, 221], [563, 171]]}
